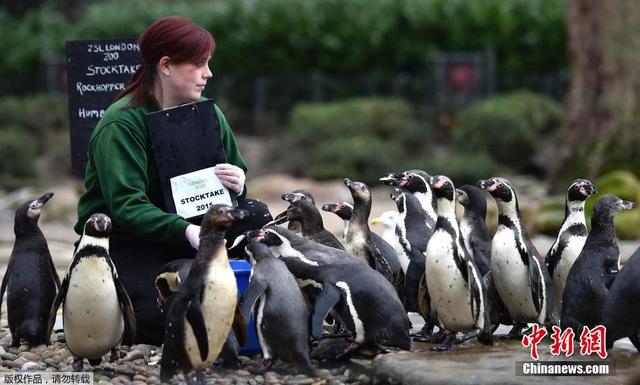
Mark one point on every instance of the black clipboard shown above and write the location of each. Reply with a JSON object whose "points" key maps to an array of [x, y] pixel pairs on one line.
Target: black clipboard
{"points": [[185, 139]]}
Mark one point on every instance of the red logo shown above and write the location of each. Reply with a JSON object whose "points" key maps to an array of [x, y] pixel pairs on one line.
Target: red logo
{"points": [[591, 341]]}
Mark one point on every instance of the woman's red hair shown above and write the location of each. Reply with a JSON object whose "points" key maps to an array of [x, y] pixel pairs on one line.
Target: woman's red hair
{"points": [[176, 37]]}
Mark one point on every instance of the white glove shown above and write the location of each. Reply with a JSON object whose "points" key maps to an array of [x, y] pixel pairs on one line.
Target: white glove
{"points": [[231, 176], [192, 233]]}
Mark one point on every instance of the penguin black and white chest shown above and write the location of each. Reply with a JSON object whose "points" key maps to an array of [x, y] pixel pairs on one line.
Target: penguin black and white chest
{"points": [[573, 233], [31, 280], [519, 274], [203, 310], [622, 301], [595, 269], [281, 313], [359, 240], [95, 304], [457, 291], [473, 226], [312, 226]]}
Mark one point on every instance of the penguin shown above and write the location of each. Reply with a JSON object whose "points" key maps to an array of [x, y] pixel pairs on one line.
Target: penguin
{"points": [[458, 294], [31, 280], [95, 304], [417, 183], [518, 272], [281, 313], [359, 238], [368, 304], [283, 242], [412, 235], [388, 220], [474, 231], [308, 217], [203, 311], [342, 209], [571, 238], [595, 269], [291, 197], [473, 226], [622, 301], [168, 282]]}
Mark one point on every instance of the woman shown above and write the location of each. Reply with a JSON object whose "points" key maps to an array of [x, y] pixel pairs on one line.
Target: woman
{"points": [[121, 178]]}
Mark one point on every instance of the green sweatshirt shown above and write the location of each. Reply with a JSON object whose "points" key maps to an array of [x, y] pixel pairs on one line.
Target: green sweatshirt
{"points": [[121, 178]]}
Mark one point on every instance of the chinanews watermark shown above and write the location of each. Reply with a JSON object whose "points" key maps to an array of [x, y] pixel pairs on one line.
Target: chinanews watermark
{"points": [[592, 343]]}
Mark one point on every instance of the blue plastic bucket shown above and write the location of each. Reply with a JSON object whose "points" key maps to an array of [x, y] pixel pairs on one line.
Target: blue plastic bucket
{"points": [[242, 271]]}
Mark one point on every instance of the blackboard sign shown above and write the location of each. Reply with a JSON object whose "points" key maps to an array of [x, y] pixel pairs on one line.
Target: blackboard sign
{"points": [[97, 70]]}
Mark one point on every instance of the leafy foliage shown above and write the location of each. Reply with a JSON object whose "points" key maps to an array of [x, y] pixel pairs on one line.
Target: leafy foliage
{"points": [[508, 127], [358, 138]]}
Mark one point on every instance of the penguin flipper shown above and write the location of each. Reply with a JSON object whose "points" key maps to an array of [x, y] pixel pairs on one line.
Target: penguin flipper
{"points": [[5, 281], [327, 299], [256, 288], [62, 293], [479, 303], [537, 282], [127, 309], [415, 271], [196, 320], [240, 328]]}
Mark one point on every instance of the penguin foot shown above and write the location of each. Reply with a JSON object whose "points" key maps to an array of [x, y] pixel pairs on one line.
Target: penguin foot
{"points": [[447, 344], [433, 338], [260, 369], [78, 364]]}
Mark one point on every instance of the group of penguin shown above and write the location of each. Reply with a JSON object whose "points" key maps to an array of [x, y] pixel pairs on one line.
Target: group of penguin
{"points": [[447, 269]]}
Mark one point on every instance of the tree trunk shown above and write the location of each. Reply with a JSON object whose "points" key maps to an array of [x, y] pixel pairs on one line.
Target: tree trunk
{"points": [[601, 129]]}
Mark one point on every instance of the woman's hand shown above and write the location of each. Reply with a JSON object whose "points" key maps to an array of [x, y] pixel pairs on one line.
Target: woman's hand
{"points": [[192, 233], [231, 176]]}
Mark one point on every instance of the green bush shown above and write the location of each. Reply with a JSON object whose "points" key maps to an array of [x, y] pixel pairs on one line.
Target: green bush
{"points": [[461, 166], [508, 127], [17, 158], [38, 115], [358, 138]]}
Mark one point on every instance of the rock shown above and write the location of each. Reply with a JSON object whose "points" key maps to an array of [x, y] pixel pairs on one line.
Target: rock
{"points": [[244, 359], [2, 351], [242, 373], [8, 356], [145, 349], [138, 377], [30, 356], [259, 379], [153, 380], [134, 355], [135, 382], [30, 366], [102, 382], [23, 348], [300, 380]]}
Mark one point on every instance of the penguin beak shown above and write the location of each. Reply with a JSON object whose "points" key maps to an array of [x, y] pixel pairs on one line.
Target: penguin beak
{"points": [[288, 197], [103, 223], [329, 207], [627, 205], [391, 179], [255, 235], [376, 221], [592, 189], [347, 182], [45, 198], [482, 184]]}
